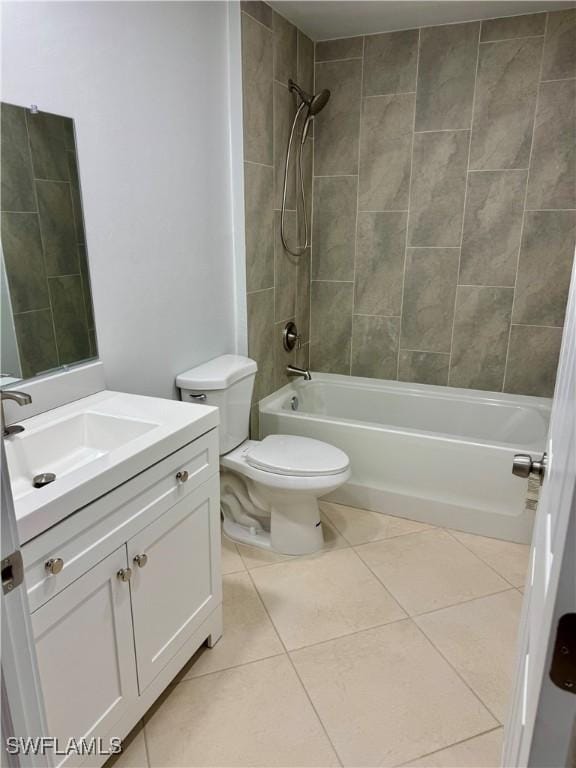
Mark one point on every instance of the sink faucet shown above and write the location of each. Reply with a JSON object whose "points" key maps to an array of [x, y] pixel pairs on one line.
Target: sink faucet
{"points": [[22, 398], [293, 370]]}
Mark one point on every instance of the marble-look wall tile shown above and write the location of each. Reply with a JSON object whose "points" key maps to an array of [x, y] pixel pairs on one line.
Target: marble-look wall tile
{"points": [[429, 292], [385, 152], [260, 11], [553, 165], [284, 111], [22, 250], [285, 266], [334, 228], [303, 277], [492, 227], [390, 62], [337, 127], [70, 321], [258, 193], [57, 227], [513, 26], [446, 74], [344, 48], [532, 360], [285, 49], [560, 46], [375, 346], [305, 67], [261, 340], [48, 134], [36, 342], [17, 185], [438, 187], [76, 197], [506, 91], [331, 327], [481, 330], [423, 367], [545, 267], [257, 62], [380, 247]]}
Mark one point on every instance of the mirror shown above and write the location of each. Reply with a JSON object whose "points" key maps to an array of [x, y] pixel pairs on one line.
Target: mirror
{"points": [[46, 314]]}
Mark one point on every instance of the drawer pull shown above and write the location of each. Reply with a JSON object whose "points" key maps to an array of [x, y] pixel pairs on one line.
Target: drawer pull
{"points": [[140, 560], [124, 574], [54, 565], [182, 476]]}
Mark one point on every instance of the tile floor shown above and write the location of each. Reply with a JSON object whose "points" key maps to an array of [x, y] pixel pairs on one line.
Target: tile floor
{"points": [[393, 647]]}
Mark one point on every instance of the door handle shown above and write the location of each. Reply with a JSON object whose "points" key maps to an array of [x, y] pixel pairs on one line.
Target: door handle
{"points": [[524, 466]]}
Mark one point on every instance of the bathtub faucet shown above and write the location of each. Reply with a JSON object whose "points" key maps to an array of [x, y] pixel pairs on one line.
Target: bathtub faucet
{"points": [[293, 370]]}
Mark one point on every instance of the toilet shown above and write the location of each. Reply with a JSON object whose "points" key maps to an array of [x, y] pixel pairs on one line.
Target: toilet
{"points": [[269, 488]]}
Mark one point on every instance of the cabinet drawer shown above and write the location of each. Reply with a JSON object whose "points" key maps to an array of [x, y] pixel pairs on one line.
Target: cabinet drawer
{"points": [[87, 536]]}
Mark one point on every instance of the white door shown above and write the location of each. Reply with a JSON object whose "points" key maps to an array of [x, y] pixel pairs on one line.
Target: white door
{"points": [[175, 578], [540, 725], [85, 652]]}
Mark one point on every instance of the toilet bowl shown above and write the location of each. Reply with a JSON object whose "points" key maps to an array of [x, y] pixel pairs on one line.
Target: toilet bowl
{"points": [[269, 488]]}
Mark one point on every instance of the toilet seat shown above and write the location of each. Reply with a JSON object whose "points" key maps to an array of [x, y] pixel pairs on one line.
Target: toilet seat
{"points": [[296, 456]]}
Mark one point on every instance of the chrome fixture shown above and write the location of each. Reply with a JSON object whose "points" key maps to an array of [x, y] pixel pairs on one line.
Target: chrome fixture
{"points": [[524, 466], [54, 565], [293, 370], [182, 476], [18, 397], [44, 478], [140, 560], [199, 398], [124, 574], [290, 337], [312, 104], [294, 404]]}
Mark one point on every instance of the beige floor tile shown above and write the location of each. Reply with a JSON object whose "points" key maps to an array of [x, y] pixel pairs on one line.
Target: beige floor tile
{"points": [[256, 715], [429, 570], [386, 696], [360, 526], [479, 639], [134, 752], [248, 632], [254, 557], [509, 559], [231, 560], [314, 600], [480, 752]]}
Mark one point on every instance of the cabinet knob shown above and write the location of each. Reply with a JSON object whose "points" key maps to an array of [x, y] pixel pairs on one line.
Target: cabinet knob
{"points": [[140, 560], [124, 574], [54, 565], [182, 476]]}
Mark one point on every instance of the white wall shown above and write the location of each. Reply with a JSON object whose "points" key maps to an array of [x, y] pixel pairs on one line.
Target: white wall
{"points": [[147, 85]]}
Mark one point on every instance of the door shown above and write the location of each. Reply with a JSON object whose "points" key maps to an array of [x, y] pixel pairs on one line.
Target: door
{"points": [[175, 578], [87, 628], [542, 715]]}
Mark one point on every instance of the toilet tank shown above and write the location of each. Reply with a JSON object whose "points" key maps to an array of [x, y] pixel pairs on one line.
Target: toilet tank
{"points": [[227, 382]]}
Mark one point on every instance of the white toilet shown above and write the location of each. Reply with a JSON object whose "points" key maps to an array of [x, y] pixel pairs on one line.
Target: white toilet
{"points": [[269, 488]]}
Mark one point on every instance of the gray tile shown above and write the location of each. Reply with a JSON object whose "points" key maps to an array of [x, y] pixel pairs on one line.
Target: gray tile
{"points": [[446, 73], [532, 360], [390, 62], [308, 170], [513, 26], [423, 367], [505, 99], [552, 181], [344, 48], [76, 197], [385, 150], [303, 295], [438, 188], [380, 246], [375, 346], [284, 111], [303, 356], [560, 46], [69, 134], [262, 12], [70, 322], [480, 341], [545, 267], [258, 192], [257, 63], [334, 228], [261, 340], [48, 146], [36, 343], [24, 260], [57, 227], [255, 422], [17, 185], [492, 227], [429, 293], [285, 269], [86, 288], [336, 130], [331, 324], [305, 76], [93, 343], [285, 49]]}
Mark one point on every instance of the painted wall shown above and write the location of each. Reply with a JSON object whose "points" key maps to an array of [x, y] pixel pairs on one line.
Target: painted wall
{"points": [[155, 167], [445, 203]]}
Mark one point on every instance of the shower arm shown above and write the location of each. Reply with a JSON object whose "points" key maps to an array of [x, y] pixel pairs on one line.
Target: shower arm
{"points": [[301, 248]]}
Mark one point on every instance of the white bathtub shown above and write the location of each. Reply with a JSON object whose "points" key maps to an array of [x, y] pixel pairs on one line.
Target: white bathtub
{"points": [[436, 454]]}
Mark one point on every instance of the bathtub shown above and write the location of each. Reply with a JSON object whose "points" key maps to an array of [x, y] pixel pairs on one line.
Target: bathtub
{"points": [[439, 455]]}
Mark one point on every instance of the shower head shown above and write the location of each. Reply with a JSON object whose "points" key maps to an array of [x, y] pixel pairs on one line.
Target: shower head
{"points": [[315, 102]]}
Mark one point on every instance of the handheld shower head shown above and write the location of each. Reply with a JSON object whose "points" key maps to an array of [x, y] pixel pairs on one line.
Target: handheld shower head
{"points": [[318, 102]]}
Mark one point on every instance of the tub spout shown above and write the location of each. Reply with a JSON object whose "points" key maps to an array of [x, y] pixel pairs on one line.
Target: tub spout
{"points": [[293, 370]]}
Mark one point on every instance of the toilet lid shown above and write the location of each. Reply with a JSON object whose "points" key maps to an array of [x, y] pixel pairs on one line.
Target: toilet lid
{"points": [[292, 455]]}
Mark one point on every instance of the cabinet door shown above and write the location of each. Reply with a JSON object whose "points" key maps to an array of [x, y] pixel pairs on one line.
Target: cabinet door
{"points": [[85, 650], [178, 582]]}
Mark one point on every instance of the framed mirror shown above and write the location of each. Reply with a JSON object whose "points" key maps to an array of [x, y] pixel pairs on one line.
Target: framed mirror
{"points": [[47, 319]]}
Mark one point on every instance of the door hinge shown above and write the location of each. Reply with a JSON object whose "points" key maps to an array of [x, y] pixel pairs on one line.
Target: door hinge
{"points": [[563, 667], [12, 572]]}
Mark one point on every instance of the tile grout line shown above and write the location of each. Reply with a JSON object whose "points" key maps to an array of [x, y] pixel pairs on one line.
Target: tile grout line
{"points": [[449, 532], [146, 747], [449, 746]]}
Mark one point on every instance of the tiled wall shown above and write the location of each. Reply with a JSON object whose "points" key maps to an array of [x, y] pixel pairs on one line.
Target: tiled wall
{"points": [[43, 241], [278, 285], [445, 203]]}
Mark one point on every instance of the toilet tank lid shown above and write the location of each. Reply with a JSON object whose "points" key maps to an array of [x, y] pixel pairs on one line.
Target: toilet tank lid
{"points": [[219, 373]]}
